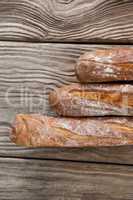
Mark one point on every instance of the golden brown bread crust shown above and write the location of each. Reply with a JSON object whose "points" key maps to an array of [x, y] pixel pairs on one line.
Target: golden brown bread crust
{"points": [[79, 100], [105, 65], [41, 131]]}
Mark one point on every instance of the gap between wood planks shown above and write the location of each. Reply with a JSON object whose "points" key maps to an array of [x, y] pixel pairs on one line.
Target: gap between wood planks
{"points": [[65, 160], [92, 42]]}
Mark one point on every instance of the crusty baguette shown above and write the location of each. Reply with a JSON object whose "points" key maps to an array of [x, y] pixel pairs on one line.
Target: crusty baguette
{"points": [[41, 131], [106, 65], [82, 100]]}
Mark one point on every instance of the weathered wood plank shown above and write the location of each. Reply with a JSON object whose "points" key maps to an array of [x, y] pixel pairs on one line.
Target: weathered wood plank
{"points": [[27, 73], [34, 179], [67, 20]]}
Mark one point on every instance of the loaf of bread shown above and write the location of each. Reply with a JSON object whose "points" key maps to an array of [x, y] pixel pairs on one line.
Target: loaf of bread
{"points": [[106, 65], [82, 100], [41, 131]]}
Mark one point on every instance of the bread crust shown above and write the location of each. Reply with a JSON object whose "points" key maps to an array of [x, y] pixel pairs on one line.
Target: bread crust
{"points": [[105, 65], [42, 131], [82, 100]]}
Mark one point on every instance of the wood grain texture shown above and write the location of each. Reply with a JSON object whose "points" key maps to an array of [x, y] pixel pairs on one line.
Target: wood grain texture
{"points": [[27, 73], [67, 20], [34, 179]]}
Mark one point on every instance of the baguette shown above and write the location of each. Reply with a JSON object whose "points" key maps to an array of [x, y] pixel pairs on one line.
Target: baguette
{"points": [[41, 131], [82, 100], [106, 65]]}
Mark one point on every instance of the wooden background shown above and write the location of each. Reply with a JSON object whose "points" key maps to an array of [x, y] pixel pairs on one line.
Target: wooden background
{"points": [[40, 41]]}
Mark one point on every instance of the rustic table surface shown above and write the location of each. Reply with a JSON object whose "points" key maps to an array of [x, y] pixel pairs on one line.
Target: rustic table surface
{"points": [[40, 41]]}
